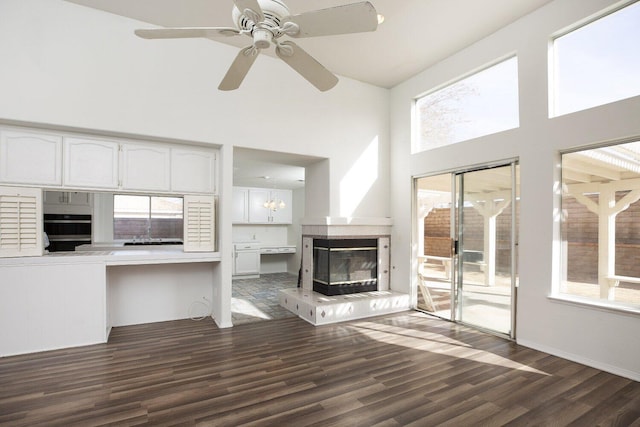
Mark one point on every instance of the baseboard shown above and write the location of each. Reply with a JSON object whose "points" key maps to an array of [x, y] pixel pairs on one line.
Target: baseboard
{"points": [[616, 370]]}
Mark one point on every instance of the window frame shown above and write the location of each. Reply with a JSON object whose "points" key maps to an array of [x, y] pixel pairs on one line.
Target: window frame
{"points": [[552, 85], [415, 113], [561, 256], [149, 218]]}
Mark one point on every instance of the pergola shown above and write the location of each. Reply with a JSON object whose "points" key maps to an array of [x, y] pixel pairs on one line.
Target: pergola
{"points": [[593, 177], [604, 172], [489, 193]]}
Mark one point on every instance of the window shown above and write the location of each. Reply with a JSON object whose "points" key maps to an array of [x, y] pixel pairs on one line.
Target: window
{"points": [[597, 63], [601, 224], [481, 104], [147, 217]]}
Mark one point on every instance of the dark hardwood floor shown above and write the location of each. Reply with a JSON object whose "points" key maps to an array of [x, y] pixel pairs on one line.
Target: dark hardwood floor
{"points": [[402, 369]]}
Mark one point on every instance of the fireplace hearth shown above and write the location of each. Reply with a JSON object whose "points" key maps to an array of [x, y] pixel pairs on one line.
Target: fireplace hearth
{"points": [[345, 266], [346, 271]]}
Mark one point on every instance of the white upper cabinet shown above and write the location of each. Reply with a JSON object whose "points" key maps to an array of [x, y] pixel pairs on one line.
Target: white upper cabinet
{"points": [[240, 213], [78, 162], [193, 171], [281, 213], [146, 167], [30, 158], [258, 214], [90, 163]]}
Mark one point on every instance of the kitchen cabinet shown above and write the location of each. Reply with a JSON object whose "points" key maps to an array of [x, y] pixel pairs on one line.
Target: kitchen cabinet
{"points": [[30, 158], [146, 167], [193, 171], [246, 259], [259, 214], [240, 214], [90, 163], [248, 206]]}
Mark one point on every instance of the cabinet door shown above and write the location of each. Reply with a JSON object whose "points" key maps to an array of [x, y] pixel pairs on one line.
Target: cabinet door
{"points": [[258, 214], [30, 158], [246, 262], [240, 206], [193, 171], [283, 215], [145, 167], [90, 163]]}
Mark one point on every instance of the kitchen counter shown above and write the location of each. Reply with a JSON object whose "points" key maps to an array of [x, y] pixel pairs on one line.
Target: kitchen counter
{"points": [[68, 299], [170, 254]]}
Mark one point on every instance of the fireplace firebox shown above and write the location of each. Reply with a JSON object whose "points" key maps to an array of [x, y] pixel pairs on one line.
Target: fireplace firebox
{"points": [[345, 266]]}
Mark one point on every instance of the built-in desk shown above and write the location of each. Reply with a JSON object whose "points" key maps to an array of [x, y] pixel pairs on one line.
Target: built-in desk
{"points": [[275, 258]]}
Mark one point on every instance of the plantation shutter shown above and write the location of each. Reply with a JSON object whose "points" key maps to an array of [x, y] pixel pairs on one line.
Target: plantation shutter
{"points": [[20, 222], [199, 224]]}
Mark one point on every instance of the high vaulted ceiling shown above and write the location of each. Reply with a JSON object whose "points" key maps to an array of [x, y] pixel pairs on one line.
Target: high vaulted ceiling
{"points": [[415, 34]]}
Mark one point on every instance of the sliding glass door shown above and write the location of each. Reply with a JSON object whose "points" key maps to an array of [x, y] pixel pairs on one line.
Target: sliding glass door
{"points": [[467, 229]]}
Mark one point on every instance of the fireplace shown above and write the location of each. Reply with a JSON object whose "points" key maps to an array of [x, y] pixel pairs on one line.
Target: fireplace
{"points": [[345, 266]]}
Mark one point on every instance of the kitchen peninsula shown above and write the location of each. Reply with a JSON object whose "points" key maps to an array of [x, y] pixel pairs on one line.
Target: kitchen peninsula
{"points": [[69, 299]]}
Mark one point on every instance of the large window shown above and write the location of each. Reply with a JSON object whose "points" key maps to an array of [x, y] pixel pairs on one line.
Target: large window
{"points": [[601, 224], [147, 217], [481, 104], [597, 63]]}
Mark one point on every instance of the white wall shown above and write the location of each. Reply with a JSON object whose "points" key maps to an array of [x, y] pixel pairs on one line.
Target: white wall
{"points": [[69, 65], [74, 67], [604, 339]]}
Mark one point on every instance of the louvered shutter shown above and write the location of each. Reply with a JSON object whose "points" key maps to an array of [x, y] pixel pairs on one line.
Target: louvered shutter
{"points": [[199, 224], [20, 222]]}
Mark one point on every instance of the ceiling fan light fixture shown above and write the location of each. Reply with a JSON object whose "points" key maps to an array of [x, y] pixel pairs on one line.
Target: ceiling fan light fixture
{"points": [[262, 38]]}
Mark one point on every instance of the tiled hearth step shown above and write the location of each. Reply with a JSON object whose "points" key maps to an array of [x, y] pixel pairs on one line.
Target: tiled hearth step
{"points": [[320, 309]]}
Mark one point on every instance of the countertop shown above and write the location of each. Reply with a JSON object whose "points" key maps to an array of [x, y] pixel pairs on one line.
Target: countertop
{"points": [[170, 254]]}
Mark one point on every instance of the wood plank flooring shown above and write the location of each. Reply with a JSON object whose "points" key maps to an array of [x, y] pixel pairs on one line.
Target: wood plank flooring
{"points": [[402, 369]]}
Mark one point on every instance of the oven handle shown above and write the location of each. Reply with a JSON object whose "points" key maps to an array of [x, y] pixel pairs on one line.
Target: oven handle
{"points": [[67, 221], [70, 238]]}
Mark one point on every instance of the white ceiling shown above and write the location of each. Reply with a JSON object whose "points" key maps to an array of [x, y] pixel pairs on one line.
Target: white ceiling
{"points": [[415, 35]]}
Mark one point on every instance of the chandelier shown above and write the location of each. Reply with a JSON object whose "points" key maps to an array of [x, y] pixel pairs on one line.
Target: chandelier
{"points": [[274, 204]]}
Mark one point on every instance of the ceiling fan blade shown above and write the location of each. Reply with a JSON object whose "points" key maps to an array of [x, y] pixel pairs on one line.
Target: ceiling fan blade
{"points": [[306, 66], [250, 4], [350, 18], [239, 69], [187, 32]]}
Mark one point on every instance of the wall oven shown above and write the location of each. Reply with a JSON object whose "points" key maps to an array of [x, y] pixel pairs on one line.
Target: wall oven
{"points": [[66, 231]]}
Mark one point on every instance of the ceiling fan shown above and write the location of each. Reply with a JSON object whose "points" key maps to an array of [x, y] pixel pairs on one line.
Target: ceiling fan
{"points": [[266, 22]]}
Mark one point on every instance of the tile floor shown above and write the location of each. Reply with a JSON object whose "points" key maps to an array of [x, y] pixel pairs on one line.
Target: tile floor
{"points": [[255, 300]]}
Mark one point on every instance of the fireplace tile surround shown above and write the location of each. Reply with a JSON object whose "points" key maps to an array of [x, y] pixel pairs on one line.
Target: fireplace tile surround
{"points": [[319, 309]]}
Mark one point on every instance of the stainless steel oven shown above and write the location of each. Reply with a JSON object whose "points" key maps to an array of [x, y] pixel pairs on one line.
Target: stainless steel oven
{"points": [[66, 231]]}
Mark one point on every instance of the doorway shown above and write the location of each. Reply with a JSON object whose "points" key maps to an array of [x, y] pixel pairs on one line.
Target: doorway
{"points": [[467, 225]]}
